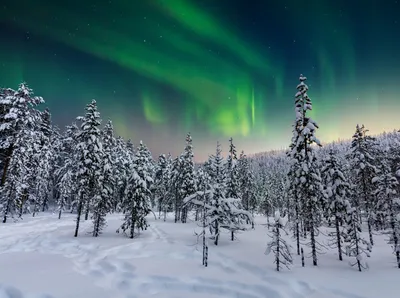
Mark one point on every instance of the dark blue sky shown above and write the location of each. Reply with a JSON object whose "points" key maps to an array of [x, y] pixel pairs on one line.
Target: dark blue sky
{"points": [[218, 69]]}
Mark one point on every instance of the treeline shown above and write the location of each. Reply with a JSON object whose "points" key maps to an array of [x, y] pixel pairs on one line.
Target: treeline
{"points": [[347, 187], [89, 171]]}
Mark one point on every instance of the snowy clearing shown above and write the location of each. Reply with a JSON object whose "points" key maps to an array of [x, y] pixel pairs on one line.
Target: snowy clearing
{"points": [[40, 258]]}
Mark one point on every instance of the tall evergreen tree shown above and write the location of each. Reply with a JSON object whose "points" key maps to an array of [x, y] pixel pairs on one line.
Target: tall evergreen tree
{"points": [[363, 161], [389, 205], [67, 171], [188, 186], [356, 245], [246, 183], [161, 184], [337, 192], [136, 204], [19, 121], [103, 201], [308, 180], [89, 156]]}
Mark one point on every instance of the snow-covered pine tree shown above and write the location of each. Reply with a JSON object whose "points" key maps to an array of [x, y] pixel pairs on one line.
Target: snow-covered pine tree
{"points": [[67, 171], [337, 192], [42, 158], [223, 212], [294, 197], [246, 184], [307, 174], [389, 205], [89, 156], [124, 157], [232, 183], [188, 186], [19, 121], [103, 201], [161, 187], [136, 204], [278, 245], [356, 245], [176, 182], [363, 161]]}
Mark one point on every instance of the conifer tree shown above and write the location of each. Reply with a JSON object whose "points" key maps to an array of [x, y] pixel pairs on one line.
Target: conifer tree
{"points": [[136, 204], [89, 155], [103, 201], [356, 245], [232, 185], [161, 184], [278, 246], [223, 212], [19, 120], [232, 189], [246, 183], [389, 205], [363, 161], [176, 183], [337, 192], [308, 181], [188, 186], [67, 172], [42, 156]]}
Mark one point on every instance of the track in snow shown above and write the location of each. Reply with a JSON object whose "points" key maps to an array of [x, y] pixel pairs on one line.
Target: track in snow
{"points": [[113, 267]]}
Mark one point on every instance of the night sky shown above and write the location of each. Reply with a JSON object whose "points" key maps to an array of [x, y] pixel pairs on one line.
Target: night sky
{"points": [[216, 68]]}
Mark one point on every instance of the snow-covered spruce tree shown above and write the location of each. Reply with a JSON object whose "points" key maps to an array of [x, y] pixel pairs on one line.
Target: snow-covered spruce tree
{"points": [[262, 192], [337, 192], [201, 199], [124, 157], [19, 179], [67, 171], [18, 123], [103, 201], [232, 182], [356, 245], [188, 185], [223, 212], [246, 184], [176, 182], [89, 157], [389, 205], [293, 195], [278, 246], [161, 187], [42, 160], [136, 203], [55, 163], [308, 180], [363, 161]]}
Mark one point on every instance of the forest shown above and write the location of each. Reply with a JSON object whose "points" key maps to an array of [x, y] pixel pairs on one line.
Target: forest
{"points": [[350, 186]]}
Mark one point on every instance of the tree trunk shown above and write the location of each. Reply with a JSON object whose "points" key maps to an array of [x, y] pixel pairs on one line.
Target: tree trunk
{"points": [[313, 241], [277, 246], [78, 217], [132, 228], [216, 232], [297, 227], [338, 238]]}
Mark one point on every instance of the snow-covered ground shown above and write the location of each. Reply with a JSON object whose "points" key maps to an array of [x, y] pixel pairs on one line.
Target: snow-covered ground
{"points": [[40, 258]]}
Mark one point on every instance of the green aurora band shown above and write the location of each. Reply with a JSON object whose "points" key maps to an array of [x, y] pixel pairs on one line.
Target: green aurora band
{"points": [[222, 83]]}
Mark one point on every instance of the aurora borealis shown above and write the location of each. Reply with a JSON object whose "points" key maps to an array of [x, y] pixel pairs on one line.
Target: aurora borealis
{"points": [[161, 68]]}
